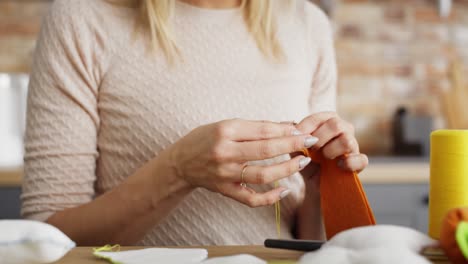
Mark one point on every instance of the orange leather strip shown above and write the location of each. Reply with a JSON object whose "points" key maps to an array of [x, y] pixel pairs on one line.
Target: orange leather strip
{"points": [[343, 201]]}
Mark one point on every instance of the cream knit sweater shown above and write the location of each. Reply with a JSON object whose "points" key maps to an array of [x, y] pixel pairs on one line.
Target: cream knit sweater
{"points": [[100, 106]]}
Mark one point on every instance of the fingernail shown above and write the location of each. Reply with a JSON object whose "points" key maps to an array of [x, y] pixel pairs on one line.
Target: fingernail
{"points": [[304, 162], [296, 132], [284, 193], [310, 141]]}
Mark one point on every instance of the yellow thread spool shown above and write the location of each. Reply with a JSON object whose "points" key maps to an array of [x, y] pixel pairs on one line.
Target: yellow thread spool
{"points": [[449, 175]]}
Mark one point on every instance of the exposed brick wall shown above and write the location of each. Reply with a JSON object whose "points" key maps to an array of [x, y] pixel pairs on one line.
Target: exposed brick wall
{"points": [[19, 26], [389, 52], [394, 53]]}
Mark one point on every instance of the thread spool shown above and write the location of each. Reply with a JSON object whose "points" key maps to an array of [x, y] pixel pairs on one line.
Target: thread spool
{"points": [[449, 175]]}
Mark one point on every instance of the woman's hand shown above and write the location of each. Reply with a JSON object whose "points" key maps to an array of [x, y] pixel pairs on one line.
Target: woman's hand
{"points": [[336, 139], [213, 156]]}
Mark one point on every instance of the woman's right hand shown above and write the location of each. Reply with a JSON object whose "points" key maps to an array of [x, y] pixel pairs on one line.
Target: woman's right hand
{"points": [[213, 157]]}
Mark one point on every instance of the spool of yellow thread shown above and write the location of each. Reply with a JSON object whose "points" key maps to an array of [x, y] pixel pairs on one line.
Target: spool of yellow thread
{"points": [[449, 175]]}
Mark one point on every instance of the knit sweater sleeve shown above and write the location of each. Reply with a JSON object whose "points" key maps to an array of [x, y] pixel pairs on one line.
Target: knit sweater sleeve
{"points": [[62, 116], [324, 80]]}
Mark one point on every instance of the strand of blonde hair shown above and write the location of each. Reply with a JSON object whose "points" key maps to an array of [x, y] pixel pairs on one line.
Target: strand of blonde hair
{"points": [[259, 16]]}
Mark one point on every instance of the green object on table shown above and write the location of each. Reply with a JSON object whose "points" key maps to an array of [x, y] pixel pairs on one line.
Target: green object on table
{"points": [[461, 236], [96, 252]]}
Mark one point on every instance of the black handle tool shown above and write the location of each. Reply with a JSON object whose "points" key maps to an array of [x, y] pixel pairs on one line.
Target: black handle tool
{"points": [[301, 245]]}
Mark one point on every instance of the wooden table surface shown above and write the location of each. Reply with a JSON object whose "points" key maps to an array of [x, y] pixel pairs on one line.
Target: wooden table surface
{"points": [[83, 255]]}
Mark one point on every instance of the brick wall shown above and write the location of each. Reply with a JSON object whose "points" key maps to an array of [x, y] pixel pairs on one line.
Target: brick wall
{"points": [[390, 53], [395, 53], [19, 26]]}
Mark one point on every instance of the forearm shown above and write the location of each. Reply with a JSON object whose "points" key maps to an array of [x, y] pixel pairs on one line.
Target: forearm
{"points": [[124, 214], [309, 218]]}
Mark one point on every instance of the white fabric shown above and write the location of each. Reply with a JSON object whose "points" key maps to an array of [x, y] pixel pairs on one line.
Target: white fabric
{"points": [[236, 259], [381, 244], [174, 256], [31, 242], [156, 255]]}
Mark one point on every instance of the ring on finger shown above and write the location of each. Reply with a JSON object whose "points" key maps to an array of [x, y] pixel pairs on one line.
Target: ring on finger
{"points": [[242, 183]]}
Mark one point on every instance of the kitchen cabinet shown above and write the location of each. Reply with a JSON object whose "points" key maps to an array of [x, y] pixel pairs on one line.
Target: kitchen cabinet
{"points": [[399, 204], [10, 190], [10, 202], [397, 189]]}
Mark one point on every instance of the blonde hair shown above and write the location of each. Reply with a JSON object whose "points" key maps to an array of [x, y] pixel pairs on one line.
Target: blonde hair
{"points": [[259, 15]]}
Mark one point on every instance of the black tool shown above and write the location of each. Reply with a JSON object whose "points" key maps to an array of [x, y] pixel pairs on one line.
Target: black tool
{"points": [[301, 245]]}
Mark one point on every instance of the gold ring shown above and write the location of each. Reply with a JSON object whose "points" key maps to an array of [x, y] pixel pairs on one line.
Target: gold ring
{"points": [[242, 184]]}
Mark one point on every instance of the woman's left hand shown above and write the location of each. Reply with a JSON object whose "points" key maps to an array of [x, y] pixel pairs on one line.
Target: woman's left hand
{"points": [[335, 138]]}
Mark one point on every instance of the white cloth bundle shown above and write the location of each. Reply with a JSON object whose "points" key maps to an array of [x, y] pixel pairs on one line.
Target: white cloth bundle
{"points": [[380, 244], [31, 242]]}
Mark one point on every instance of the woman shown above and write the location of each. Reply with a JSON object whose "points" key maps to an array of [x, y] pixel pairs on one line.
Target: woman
{"points": [[142, 121]]}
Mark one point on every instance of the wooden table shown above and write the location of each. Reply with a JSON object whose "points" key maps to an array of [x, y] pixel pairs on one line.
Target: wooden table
{"points": [[83, 255]]}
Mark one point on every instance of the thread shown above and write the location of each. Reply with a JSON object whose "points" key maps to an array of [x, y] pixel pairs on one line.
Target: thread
{"points": [[107, 247], [278, 214], [448, 175]]}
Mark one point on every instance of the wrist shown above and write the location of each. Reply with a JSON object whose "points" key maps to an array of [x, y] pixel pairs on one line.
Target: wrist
{"points": [[166, 180], [167, 163]]}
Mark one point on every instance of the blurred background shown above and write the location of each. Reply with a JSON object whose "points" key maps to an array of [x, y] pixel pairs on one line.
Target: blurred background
{"points": [[402, 68]]}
